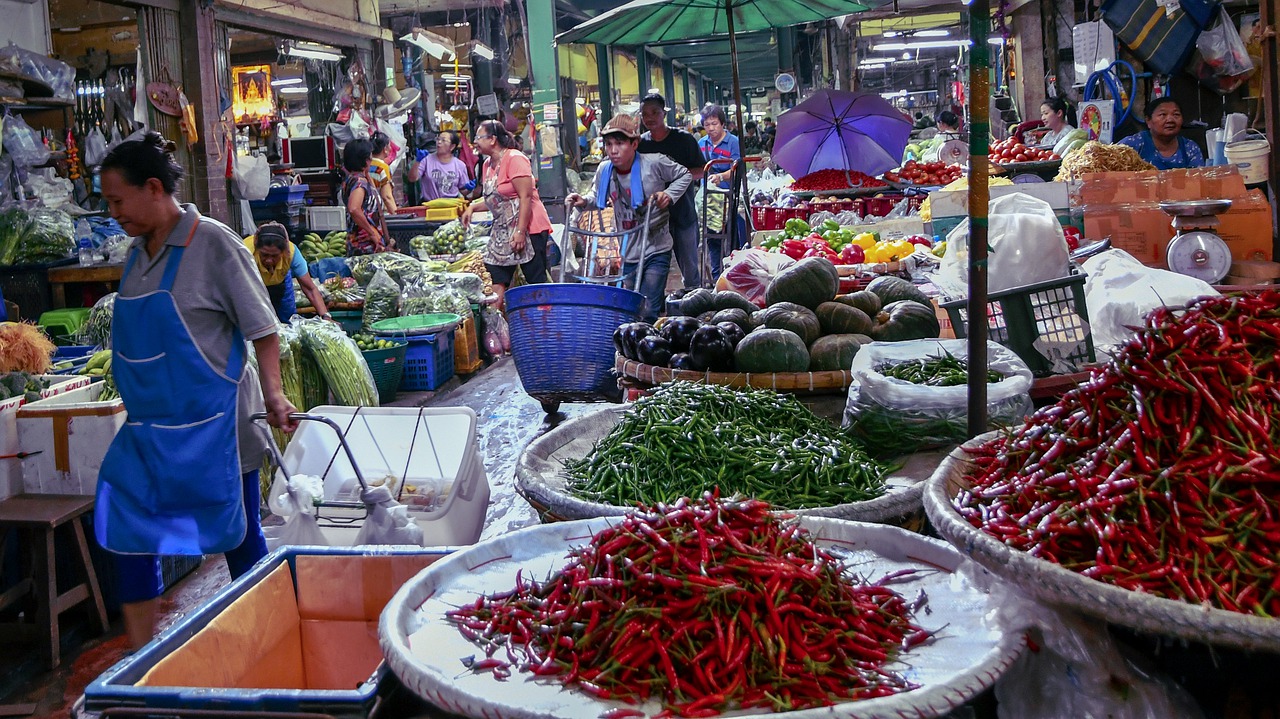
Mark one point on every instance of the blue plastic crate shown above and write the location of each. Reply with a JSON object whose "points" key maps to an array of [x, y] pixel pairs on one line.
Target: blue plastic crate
{"points": [[289, 194], [428, 362]]}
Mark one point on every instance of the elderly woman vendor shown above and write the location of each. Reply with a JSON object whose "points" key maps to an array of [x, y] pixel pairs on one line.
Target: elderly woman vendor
{"points": [[1162, 143]]}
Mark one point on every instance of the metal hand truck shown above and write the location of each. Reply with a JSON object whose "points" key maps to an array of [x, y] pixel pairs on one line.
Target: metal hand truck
{"points": [[604, 250], [722, 212]]}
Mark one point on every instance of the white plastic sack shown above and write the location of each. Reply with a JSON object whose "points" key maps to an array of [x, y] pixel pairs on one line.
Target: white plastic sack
{"points": [[95, 147], [294, 499], [1026, 244], [252, 176], [388, 521], [1120, 291], [897, 417]]}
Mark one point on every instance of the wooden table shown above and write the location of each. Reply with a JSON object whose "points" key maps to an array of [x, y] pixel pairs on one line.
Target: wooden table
{"points": [[60, 277]]}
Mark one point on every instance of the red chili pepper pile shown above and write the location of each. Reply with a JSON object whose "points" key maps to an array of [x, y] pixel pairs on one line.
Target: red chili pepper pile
{"points": [[1160, 473], [708, 606], [823, 180]]}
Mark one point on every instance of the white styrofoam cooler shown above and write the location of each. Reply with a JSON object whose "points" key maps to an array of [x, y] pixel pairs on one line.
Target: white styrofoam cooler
{"points": [[322, 219], [11, 469], [71, 432], [432, 452]]}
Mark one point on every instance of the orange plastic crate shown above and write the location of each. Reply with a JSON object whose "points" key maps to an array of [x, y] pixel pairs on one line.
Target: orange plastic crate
{"points": [[466, 348]]}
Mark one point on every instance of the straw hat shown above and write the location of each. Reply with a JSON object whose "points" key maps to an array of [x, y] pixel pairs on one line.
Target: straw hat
{"points": [[395, 103]]}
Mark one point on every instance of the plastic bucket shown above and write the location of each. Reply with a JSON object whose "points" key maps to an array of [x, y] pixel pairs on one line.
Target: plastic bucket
{"points": [[1251, 156]]}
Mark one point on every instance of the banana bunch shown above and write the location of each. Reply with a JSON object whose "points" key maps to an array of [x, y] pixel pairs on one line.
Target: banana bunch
{"points": [[473, 262], [98, 365], [445, 203], [314, 247]]}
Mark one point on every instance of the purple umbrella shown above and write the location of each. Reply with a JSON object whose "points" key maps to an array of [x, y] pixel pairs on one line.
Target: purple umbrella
{"points": [[835, 130]]}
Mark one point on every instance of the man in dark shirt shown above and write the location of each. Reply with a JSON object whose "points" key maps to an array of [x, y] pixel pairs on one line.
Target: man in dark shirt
{"points": [[683, 148]]}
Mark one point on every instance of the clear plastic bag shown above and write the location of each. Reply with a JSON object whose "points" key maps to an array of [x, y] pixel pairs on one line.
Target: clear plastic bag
{"points": [[429, 295], [22, 143], [295, 499], [497, 335], [96, 330], [1223, 50], [402, 268], [58, 75], [899, 417], [1027, 246], [251, 176], [750, 272], [466, 284], [344, 368], [381, 299], [95, 147]]}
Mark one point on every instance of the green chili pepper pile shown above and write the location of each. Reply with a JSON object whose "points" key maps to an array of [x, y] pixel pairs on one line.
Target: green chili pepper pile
{"points": [[1160, 473], [688, 438], [945, 371], [708, 606]]}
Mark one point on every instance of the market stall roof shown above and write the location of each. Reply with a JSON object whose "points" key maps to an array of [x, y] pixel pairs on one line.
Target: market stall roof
{"points": [[757, 58]]}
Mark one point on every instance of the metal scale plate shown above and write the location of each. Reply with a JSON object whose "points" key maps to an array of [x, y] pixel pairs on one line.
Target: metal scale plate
{"points": [[1195, 250]]}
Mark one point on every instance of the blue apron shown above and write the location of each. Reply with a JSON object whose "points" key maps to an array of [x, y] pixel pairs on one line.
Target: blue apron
{"points": [[170, 482], [283, 299]]}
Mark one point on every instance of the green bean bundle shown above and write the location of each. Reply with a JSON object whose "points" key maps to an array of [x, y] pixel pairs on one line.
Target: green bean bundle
{"points": [[689, 438], [341, 363]]}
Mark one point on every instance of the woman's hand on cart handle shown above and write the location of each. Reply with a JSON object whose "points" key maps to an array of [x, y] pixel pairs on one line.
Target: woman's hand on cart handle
{"points": [[575, 200], [661, 199], [281, 413]]}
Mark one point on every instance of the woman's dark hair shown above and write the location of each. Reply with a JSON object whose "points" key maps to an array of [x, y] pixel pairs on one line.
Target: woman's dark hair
{"points": [[500, 133], [272, 234], [1155, 104], [142, 160], [454, 139], [717, 112], [380, 142], [355, 156], [948, 118], [1057, 104]]}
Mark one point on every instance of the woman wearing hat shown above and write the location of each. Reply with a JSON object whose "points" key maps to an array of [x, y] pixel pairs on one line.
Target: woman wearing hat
{"points": [[521, 227], [279, 261]]}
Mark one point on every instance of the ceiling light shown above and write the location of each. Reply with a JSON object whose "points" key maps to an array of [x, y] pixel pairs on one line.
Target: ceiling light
{"points": [[513, 80], [872, 66], [995, 40], [450, 76], [940, 32], [892, 33], [923, 45], [312, 51], [282, 81], [875, 60], [480, 49], [292, 91], [906, 56]]}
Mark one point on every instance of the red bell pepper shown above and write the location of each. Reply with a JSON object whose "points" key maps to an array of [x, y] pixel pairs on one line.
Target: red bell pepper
{"points": [[852, 255], [920, 240], [794, 249]]}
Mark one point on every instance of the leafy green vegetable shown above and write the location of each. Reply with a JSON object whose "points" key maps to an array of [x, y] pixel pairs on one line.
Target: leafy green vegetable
{"points": [[341, 363]]}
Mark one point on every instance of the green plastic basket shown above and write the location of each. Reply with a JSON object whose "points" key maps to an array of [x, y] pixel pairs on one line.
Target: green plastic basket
{"points": [[387, 366], [349, 320], [412, 325]]}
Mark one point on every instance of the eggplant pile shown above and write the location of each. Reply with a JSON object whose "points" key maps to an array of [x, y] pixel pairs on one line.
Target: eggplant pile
{"points": [[680, 343]]}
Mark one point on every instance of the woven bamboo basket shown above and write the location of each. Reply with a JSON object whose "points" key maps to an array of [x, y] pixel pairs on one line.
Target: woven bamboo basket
{"points": [[833, 382]]}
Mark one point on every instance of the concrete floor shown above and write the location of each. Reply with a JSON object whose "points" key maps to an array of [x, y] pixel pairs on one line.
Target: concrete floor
{"points": [[508, 420]]}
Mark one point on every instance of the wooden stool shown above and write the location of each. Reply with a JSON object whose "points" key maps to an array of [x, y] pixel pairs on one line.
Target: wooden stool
{"points": [[37, 518]]}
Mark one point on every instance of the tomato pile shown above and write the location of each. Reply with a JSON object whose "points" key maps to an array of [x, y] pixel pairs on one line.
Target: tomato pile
{"points": [[835, 180], [1009, 151], [928, 174]]}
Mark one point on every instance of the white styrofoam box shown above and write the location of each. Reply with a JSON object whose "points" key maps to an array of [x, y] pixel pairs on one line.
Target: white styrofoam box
{"points": [[71, 433], [323, 218], [955, 203], [432, 452], [10, 469]]}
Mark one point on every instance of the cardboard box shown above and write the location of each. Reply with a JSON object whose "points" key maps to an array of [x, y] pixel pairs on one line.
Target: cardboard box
{"points": [[1117, 188], [1144, 230], [1202, 183], [1247, 227]]}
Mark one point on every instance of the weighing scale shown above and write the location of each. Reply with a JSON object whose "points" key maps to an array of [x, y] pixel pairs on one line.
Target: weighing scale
{"points": [[954, 152], [1195, 249]]}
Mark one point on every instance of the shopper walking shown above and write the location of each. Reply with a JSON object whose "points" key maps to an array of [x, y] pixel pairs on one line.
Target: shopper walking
{"points": [[521, 228], [681, 147], [181, 476], [722, 146]]}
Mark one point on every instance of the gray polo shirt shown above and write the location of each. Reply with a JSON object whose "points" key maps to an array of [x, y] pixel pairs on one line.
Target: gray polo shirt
{"points": [[657, 173], [216, 289]]}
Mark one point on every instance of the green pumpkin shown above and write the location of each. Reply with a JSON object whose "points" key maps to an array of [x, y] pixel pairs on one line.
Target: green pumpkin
{"points": [[790, 316], [837, 318], [833, 352], [771, 350], [868, 302], [697, 302], [728, 300], [736, 316], [892, 289], [808, 283], [906, 320], [757, 320]]}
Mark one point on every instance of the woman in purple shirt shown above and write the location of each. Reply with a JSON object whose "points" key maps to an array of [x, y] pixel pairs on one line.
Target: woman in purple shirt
{"points": [[446, 175]]}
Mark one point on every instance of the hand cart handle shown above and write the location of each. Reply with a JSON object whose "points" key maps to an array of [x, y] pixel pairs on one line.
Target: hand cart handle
{"points": [[257, 418]]}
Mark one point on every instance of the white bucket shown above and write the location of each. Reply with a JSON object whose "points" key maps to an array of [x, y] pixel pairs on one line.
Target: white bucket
{"points": [[1252, 158]]}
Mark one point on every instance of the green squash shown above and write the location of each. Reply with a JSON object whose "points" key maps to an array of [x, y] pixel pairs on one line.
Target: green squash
{"points": [[906, 320], [833, 352], [868, 302], [892, 289], [790, 316], [771, 350], [837, 318], [757, 321], [809, 283], [697, 302], [736, 316], [728, 300], [864, 339]]}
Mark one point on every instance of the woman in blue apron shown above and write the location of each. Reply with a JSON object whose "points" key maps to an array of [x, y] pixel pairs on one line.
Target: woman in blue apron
{"points": [[180, 477], [279, 261]]}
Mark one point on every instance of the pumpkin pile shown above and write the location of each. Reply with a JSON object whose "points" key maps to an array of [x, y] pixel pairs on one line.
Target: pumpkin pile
{"points": [[804, 326]]}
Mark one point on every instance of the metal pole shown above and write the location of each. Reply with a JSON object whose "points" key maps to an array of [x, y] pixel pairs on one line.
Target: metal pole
{"points": [[740, 177], [979, 196]]}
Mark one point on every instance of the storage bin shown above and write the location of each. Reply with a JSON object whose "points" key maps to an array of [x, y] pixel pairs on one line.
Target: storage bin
{"points": [[387, 368], [428, 361], [11, 470], [68, 435], [428, 457], [326, 219], [297, 634], [1052, 312], [282, 195], [62, 325]]}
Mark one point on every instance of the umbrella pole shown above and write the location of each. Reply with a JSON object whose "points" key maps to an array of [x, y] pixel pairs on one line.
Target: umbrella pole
{"points": [[737, 111], [979, 196]]}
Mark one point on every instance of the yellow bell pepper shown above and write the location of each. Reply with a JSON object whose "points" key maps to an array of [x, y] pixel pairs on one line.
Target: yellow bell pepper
{"points": [[865, 240]]}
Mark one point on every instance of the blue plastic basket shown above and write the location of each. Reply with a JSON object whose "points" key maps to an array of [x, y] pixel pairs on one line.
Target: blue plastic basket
{"points": [[428, 361], [562, 338]]}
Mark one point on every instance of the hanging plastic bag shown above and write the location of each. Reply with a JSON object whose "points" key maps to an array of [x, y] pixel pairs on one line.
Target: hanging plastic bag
{"points": [[497, 335], [95, 147], [1026, 244], [381, 300], [1224, 63], [295, 499], [388, 521], [23, 144], [899, 417], [252, 176]]}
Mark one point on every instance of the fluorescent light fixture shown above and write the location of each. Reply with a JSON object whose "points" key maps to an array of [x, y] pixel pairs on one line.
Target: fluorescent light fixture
{"points": [[431, 43], [312, 51], [906, 56], [871, 66], [892, 33], [940, 32], [292, 91], [995, 40], [282, 81], [513, 80], [922, 45], [653, 91], [875, 60], [480, 49], [450, 76]]}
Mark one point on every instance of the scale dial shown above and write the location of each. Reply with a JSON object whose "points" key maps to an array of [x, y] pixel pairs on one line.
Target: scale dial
{"points": [[1199, 254]]}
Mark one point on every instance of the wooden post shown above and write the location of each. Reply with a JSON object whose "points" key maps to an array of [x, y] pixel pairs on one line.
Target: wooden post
{"points": [[979, 196], [1270, 15]]}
